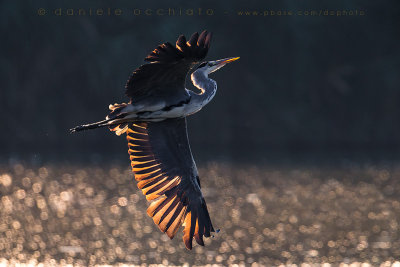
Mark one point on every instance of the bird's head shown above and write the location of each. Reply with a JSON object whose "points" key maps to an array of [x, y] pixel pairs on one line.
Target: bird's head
{"points": [[211, 66]]}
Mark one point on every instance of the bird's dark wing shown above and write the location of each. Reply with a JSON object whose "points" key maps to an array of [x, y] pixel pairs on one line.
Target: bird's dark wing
{"points": [[168, 67], [166, 173]]}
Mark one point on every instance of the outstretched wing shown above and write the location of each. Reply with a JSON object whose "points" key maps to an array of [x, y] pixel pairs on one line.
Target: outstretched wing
{"points": [[166, 173], [168, 67]]}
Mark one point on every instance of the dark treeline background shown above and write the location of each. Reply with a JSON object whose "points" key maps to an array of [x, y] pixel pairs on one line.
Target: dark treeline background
{"points": [[307, 84]]}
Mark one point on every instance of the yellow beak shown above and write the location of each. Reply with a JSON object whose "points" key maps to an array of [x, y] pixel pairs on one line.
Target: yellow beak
{"points": [[226, 60]]}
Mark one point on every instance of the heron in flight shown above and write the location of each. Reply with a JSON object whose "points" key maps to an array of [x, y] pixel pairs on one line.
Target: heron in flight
{"points": [[155, 125]]}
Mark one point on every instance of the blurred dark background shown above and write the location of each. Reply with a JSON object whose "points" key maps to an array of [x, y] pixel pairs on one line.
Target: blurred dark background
{"points": [[318, 85]]}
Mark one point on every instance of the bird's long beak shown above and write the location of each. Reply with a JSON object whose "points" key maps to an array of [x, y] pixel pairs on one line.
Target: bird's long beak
{"points": [[217, 64], [225, 61]]}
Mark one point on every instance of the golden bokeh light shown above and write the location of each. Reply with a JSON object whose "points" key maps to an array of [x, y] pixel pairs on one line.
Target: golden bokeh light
{"points": [[268, 217]]}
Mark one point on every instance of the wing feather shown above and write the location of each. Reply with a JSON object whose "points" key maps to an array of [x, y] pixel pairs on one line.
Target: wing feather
{"points": [[166, 73], [162, 164]]}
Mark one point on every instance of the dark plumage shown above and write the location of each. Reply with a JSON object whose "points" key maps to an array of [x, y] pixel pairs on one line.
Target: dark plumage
{"points": [[168, 67]]}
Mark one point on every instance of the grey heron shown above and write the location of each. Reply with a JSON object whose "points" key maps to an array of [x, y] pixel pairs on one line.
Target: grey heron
{"points": [[155, 125]]}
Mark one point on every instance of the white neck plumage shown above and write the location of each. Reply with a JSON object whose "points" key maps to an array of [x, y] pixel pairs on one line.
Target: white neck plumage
{"points": [[207, 86]]}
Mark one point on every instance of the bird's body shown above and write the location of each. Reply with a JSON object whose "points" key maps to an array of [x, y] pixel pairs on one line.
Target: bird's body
{"points": [[155, 124], [188, 104]]}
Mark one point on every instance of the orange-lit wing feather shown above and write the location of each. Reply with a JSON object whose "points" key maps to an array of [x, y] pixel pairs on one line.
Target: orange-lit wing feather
{"points": [[166, 173], [166, 73]]}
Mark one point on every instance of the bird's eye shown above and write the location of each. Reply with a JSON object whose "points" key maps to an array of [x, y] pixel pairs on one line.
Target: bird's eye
{"points": [[202, 65]]}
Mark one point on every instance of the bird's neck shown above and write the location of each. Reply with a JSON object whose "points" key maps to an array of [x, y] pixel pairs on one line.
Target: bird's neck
{"points": [[207, 87]]}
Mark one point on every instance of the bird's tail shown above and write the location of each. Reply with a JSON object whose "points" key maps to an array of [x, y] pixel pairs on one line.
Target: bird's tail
{"points": [[115, 121]]}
